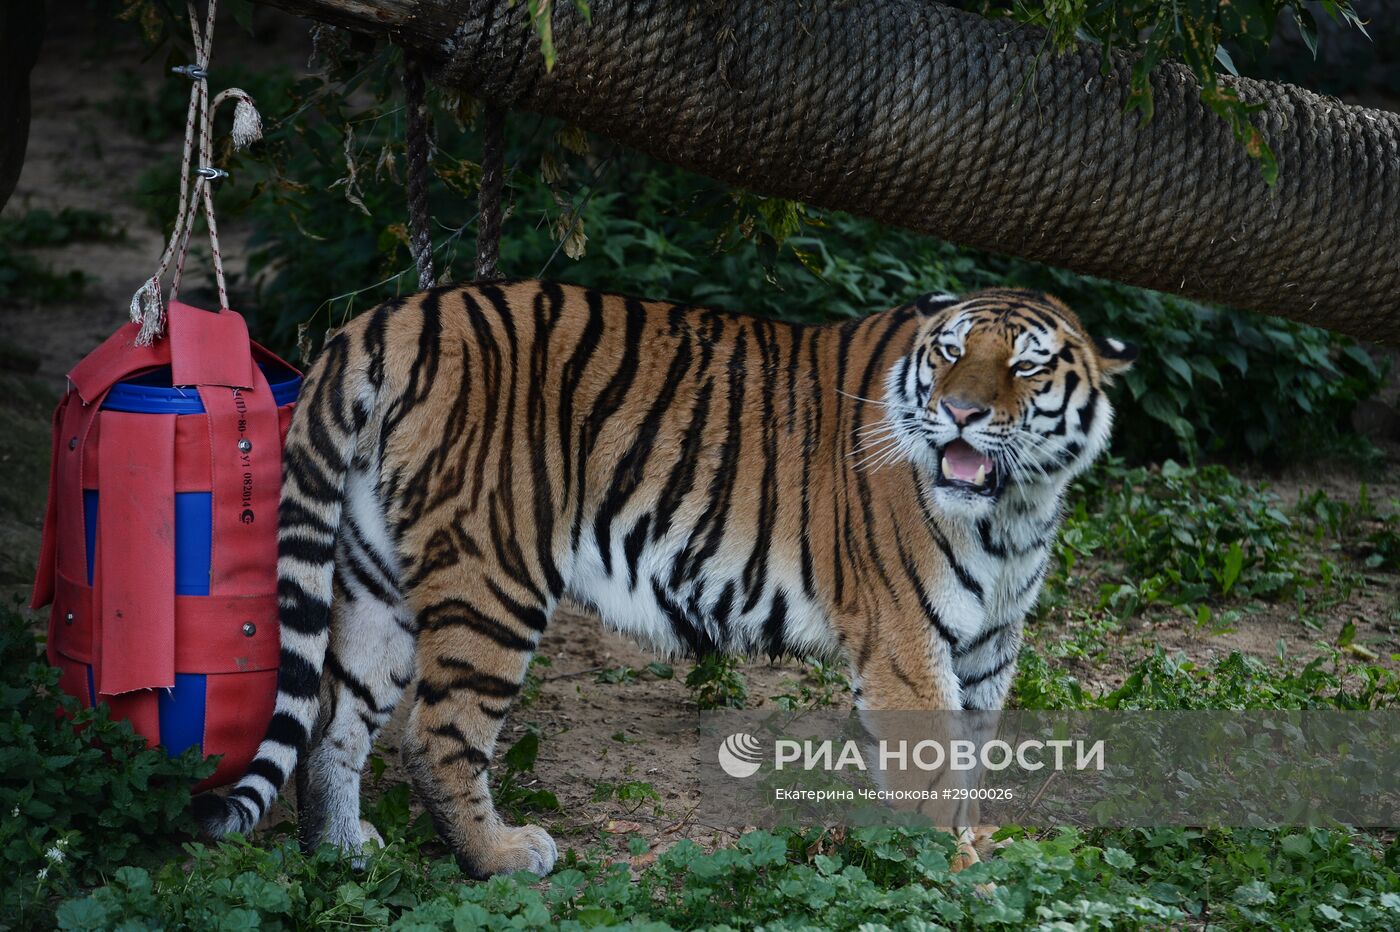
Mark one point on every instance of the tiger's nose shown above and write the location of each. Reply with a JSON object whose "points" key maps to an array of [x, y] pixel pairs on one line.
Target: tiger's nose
{"points": [[963, 412]]}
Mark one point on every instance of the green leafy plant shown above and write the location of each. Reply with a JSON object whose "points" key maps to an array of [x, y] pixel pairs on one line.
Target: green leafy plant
{"points": [[1181, 536], [632, 794], [514, 793], [1199, 36], [80, 794], [822, 686], [23, 276], [715, 682]]}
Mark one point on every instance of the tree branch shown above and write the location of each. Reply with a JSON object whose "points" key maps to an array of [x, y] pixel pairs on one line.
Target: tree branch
{"points": [[926, 117]]}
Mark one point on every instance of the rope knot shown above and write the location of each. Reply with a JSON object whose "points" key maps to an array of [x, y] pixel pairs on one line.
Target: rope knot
{"points": [[148, 310], [247, 123]]}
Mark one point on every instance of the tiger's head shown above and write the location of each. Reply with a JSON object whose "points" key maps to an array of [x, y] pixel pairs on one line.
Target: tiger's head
{"points": [[1003, 388]]}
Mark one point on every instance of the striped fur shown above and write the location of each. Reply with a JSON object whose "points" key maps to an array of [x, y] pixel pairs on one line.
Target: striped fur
{"points": [[463, 459]]}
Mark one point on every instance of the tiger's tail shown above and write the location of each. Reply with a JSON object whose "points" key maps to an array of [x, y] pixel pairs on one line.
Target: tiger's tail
{"points": [[318, 454]]}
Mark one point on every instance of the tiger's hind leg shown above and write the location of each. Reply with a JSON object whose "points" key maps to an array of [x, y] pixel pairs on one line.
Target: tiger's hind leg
{"points": [[368, 665], [474, 646]]}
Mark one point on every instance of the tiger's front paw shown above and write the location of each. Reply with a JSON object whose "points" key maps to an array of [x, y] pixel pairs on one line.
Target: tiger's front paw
{"points": [[517, 848]]}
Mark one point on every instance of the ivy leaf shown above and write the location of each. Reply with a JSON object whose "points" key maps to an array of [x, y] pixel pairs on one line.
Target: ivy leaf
{"points": [[523, 753]]}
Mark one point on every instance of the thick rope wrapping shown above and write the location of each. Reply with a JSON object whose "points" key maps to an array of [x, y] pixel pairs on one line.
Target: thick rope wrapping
{"points": [[488, 236], [146, 305], [931, 118], [420, 238]]}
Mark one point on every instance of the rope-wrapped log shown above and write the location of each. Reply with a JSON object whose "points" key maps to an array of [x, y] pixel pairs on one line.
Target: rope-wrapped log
{"points": [[927, 117]]}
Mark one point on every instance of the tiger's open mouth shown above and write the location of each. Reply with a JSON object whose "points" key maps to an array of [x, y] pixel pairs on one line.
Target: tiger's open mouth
{"points": [[962, 466]]}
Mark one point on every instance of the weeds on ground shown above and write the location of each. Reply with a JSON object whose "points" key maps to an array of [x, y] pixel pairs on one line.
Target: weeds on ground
{"points": [[717, 683], [1199, 538], [1360, 530], [1238, 681], [822, 686], [884, 877], [23, 276], [80, 794], [515, 793]]}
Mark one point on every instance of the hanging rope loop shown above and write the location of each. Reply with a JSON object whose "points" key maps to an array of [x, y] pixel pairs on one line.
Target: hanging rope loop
{"points": [[420, 242], [196, 178], [493, 157], [420, 239]]}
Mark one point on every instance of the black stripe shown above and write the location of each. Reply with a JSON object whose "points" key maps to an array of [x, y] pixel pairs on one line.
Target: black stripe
{"points": [[988, 674], [297, 676], [607, 404], [268, 770], [532, 617], [537, 407], [632, 548], [682, 478], [715, 514], [286, 730], [756, 567], [687, 630], [352, 683], [980, 640], [470, 677], [572, 374], [984, 532], [631, 468], [931, 614], [775, 627], [314, 552], [457, 613]]}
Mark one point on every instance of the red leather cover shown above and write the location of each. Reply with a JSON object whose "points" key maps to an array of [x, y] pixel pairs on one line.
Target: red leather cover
{"points": [[129, 625]]}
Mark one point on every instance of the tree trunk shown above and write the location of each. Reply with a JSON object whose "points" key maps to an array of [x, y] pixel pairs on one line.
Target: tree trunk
{"points": [[926, 117], [21, 35]]}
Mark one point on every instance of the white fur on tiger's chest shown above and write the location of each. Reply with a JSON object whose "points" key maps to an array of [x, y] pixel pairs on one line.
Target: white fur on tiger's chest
{"points": [[1000, 574], [640, 595]]}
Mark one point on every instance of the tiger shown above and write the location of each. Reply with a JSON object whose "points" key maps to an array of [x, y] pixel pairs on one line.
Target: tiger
{"points": [[884, 491]]}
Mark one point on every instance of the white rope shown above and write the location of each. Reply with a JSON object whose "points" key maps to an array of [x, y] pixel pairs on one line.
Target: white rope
{"points": [[146, 306]]}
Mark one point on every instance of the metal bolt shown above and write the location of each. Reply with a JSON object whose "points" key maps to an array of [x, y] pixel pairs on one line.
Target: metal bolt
{"points": [[68, 618], [73, 443], [245, 444], [249, 629]]}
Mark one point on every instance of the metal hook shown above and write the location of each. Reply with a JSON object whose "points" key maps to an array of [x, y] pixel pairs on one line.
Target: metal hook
{"points": [[193, 72], [211, 174]]}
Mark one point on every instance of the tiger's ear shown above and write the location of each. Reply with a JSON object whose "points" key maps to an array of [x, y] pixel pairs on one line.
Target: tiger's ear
{"points": [[930, 304], [1115, 356]]}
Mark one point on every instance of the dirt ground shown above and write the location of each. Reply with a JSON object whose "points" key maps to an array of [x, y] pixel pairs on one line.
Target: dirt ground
{"points": [[81, 155]]}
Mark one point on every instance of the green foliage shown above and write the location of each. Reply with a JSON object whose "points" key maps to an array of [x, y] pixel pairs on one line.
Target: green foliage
{"points": [[1183, 536], [716, 682], [42, 227], [633, 794], [1236, 681], [80, 794], [1196, 34], [887, 877], [515, 792], [1359, 529], [822, 686], [23, 276]]}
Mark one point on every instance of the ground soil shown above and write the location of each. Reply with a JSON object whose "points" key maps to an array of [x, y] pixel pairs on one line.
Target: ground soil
{"points": [[82, 155]]}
